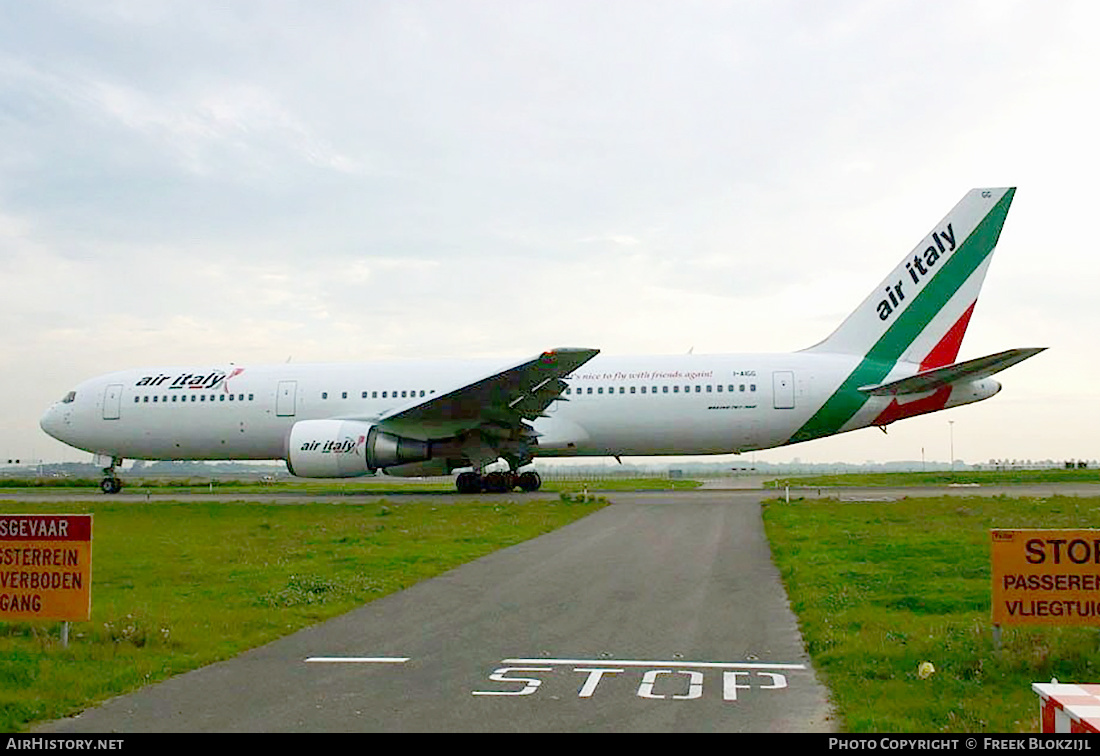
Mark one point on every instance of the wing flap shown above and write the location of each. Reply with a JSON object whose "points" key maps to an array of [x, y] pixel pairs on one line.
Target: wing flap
{"points": [[970, 370]]}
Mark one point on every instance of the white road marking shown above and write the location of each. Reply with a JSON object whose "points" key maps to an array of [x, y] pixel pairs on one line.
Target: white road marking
{"points": [[530, 684], [653, 664], [359, 659]]}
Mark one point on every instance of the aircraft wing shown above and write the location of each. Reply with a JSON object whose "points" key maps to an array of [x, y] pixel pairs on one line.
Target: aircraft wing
{"points": [[496, 404], [971, 370]]}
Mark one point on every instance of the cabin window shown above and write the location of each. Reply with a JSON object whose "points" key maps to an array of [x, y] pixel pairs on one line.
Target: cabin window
{"points": [[632, 389], [69, 397], [324, 395], [344, 395]]}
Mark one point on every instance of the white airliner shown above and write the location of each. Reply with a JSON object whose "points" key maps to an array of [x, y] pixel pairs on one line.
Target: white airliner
{"points": [[892, 358]]}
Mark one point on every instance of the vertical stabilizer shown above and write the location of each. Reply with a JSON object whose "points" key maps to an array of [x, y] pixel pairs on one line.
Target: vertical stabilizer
{"points": [[918, 314], [920, 311]]}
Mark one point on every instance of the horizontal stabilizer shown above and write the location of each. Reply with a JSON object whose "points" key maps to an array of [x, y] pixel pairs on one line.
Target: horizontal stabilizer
{"points": [[971, 370]]}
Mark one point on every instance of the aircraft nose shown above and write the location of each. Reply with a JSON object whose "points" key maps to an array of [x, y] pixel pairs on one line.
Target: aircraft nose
{"points": [[51, 422]]}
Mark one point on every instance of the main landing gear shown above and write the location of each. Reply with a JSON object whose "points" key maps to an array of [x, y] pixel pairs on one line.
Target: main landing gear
{"points": [[497, 482], [111, 483]]}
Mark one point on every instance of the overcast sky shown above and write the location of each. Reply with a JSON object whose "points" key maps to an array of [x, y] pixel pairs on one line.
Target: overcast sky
{"points": [[197, 182]]}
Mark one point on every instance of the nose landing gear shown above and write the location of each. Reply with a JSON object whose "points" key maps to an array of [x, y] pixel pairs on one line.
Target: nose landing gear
{"points": [[111, 483]]}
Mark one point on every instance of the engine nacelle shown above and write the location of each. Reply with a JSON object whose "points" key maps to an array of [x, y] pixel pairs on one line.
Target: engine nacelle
{"points": [[347, 449]]}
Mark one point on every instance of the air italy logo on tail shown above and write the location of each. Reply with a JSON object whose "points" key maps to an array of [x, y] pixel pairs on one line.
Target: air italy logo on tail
{"points": [[914, 302], [943, 243]]}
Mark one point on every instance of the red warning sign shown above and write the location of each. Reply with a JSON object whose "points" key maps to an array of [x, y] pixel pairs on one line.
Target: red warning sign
{"points": [[45, 567]]}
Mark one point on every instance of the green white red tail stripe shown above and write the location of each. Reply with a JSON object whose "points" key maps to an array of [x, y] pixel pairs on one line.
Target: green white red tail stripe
{"points": [[917, 316]]}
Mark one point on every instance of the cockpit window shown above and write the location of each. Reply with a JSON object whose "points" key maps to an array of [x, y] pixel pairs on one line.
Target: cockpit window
{"points": [[69, 397]]}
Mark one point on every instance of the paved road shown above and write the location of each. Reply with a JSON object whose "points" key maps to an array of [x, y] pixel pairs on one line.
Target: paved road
{"points": [[660, 613]]}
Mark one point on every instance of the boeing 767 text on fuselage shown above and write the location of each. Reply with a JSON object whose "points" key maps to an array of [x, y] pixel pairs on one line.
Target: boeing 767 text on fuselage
{"points": [[892, 358]]}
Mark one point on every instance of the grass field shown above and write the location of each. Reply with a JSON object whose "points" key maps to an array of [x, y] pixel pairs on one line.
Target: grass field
{"points": [[881, 587], [179, 585], [940, 478]]}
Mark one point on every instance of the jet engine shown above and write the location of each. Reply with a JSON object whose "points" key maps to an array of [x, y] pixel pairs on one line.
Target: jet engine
{"points": [[348, 448]]}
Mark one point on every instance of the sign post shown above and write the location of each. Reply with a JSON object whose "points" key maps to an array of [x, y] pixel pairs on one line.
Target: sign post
{"points": [[46, 568]]}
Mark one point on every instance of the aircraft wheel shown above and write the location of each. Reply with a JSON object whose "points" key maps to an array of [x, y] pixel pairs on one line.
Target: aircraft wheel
{"points": [[110, 485], [500, 482], [469, 482], [530, 481]]}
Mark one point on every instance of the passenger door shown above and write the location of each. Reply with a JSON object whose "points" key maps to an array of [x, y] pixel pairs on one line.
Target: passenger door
{"points": [[783, 389], [112, 401], [286, 399]]}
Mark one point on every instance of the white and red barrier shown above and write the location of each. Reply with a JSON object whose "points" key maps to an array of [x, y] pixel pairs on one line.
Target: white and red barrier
{"points": [[1068, 708]]}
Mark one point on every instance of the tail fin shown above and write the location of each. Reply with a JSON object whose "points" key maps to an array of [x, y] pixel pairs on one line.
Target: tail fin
{"points": [[920, 311]]}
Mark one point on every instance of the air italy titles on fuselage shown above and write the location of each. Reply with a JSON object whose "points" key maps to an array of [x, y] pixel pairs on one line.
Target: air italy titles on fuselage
{"points": [[919, 267], [185, 381], [347, 446]]}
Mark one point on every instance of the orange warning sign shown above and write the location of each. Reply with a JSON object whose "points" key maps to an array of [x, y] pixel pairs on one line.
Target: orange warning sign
{"points": [[1046, 577], [45, 567]]}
